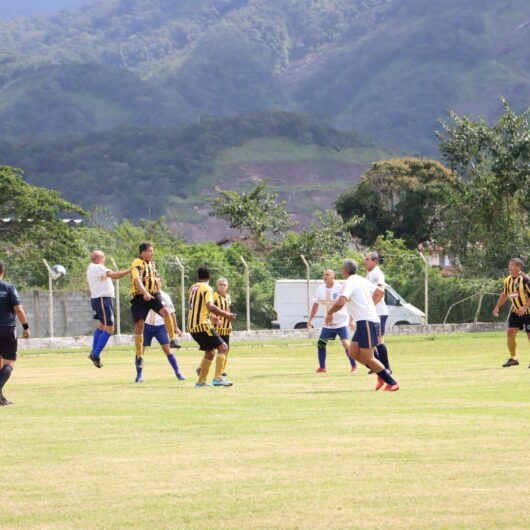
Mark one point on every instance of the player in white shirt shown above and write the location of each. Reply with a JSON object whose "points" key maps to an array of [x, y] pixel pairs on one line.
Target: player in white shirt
{"points": [[155, 328], [375, 275], [101, 287], [325, 295], [356, 295]]}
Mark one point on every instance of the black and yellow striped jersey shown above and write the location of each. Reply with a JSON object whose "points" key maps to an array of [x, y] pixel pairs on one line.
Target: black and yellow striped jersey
{"points": [[224, 327], [517, 290], [146, 271], [198, 314]]}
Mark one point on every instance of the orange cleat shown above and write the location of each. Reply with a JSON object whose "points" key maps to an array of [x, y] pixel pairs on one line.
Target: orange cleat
{"points": [[321, 371], [391, 388], [380, 383], [354, 369]]}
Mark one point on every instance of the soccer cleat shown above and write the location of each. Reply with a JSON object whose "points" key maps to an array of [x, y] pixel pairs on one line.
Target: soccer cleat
{"points": [[4, 402], [391, 388], [354, 369], [180, 377], [139, 378], [510, 362], [221, 382], [321, 371], [380, 383], [224, 374], [174, 344], [201, 385], [96, 360]]}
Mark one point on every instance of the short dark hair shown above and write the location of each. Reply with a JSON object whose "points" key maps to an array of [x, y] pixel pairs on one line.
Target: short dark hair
{"points": [[2, 267], [350, 265], [144, 246], [517, 261], [203, 272]]}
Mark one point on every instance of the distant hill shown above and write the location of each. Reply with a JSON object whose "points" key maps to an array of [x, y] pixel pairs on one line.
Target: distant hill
{"points": [[149, 172], [389, 68], [27, 8]]}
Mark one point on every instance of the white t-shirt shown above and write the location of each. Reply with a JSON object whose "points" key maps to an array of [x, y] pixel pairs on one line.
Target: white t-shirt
{"points": [[358, 292], [98, 282], [326, 298], [377, 277], [153, 318]]}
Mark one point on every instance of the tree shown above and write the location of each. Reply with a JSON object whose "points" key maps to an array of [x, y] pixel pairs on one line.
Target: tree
{"points": [[257, 212], [400, 195], [486, 222], [32, 228]]}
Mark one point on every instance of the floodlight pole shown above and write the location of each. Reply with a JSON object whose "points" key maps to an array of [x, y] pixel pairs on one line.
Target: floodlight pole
{"points": [[247, 289], [50, 299], [308, 272], [182, 293], [426, 287], [118, 314]]}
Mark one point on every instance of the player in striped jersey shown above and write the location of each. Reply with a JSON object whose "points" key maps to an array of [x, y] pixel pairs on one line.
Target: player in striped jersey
{"points": [[516, 288], [200, 327]]}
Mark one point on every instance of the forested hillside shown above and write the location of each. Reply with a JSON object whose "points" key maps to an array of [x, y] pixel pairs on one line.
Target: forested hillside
{"points": [[389, 68]]}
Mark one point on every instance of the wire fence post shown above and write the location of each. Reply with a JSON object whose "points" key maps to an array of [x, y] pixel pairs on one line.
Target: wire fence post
{"points": [[308, 273], [426, 285], [479, 305], [50, 299], [247, 289], [118, 305], [182, 293]]}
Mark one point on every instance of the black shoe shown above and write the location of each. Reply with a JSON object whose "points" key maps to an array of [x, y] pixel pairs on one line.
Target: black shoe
{"points": [[510, 362], [224, 374], [97, 362], [174, 344]]}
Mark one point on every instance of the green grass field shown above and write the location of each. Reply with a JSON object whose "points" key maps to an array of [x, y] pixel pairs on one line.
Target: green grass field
{"points": [[283, 448]]}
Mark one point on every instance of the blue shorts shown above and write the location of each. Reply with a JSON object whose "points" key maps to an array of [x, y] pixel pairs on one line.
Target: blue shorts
{"points": [[383, 319], [157, 332], [103, 310], [331, 333], [366, 333]]}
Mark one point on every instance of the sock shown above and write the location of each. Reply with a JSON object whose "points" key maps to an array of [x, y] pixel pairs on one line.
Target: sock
{"points": [[383, 355], [95, 339], [173, 362], [351, 359], [139, 344], [205, 368], [103, 338], [168, 321], [5, 374], [376, 354], [511, 346], [139, 362], [226, 361], [386, 377], [219, 365]]}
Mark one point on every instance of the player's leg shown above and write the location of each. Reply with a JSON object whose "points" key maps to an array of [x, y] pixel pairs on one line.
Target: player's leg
{"points": [[222, 353], [343, 335], [512, 346], [6, 369], [223, 358], [325, 335], [147, 338], [168, 322], [8, 356], [106, 325], [382, 352], [163, 340]]}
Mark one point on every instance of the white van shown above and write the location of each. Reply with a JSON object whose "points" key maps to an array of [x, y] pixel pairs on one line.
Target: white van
{"points": [[293, 301]]}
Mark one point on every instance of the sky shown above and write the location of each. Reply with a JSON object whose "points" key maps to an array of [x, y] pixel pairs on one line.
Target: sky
{"points": [[19, 8]]}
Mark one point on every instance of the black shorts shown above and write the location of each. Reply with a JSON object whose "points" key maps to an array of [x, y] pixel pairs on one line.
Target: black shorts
{"points": [[8, 342], [523, 322], [225, 339], [207, 340], [140, 308]]}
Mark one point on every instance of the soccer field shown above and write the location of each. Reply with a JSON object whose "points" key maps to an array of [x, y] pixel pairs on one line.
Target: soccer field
{"points": [[283, 448]]}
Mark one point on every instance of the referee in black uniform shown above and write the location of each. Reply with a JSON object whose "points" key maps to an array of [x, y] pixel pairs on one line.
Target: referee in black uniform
{"points": [[10, 308]]}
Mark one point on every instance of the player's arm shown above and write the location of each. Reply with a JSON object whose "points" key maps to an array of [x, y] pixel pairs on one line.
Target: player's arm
{"points": [[378, 294], [500, 302], [116, 275], [21, 314], [314, 310], [219, 312]]}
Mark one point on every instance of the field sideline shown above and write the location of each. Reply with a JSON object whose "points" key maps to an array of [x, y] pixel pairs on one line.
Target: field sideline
{"points": [[283, 448]]}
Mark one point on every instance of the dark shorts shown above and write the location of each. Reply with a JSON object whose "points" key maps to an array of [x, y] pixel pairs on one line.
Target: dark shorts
{"points": [[103, 310], [140, 308], [523, 322], [225, 339], [331, 333], [155, 332], [207, 340], [383, 319], [366, 333], [8, 342]]}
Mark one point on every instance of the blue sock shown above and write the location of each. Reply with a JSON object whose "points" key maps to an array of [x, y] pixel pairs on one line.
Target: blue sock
{"points": [[386, 377], [173, 362], [383, 355], [139, 362], [352, 361], [102, 341], [95, 338], [322, 357]]}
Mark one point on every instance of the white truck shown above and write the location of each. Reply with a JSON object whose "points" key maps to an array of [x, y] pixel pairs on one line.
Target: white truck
{"points": [[293, 300]]}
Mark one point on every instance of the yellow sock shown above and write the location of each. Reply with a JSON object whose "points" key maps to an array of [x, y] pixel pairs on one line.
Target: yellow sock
{"points": [[139, 344], [511, 347], [168, 321], [219, 365], [205, 368], [226, 362]]}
